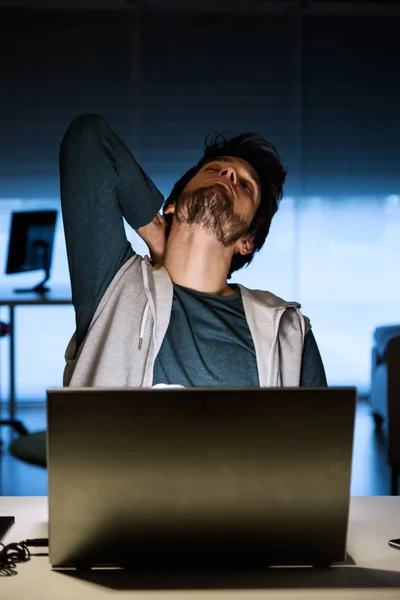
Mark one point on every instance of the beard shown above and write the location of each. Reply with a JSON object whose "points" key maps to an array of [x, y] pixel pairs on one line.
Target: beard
{"points": [[211, 208]]}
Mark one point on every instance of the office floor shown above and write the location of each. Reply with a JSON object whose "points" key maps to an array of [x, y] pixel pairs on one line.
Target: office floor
{"points": [[370, 474]]}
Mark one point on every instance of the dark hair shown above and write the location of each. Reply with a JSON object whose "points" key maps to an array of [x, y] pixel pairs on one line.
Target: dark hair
{"points": [[264, 158]]}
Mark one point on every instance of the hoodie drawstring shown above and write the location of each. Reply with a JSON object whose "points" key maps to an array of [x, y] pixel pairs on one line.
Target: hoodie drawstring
{"points": [[143, 324]]}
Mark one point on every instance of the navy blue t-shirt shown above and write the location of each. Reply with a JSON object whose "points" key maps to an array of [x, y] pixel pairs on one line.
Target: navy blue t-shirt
{"points": [[208, 343]]}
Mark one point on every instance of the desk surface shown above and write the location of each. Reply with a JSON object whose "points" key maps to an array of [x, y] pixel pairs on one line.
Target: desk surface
{"points": [[373, 521], [56, 295]]}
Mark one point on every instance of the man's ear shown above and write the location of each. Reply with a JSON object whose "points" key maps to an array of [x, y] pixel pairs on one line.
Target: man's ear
{"points": [[244, 246], [170, 209]]}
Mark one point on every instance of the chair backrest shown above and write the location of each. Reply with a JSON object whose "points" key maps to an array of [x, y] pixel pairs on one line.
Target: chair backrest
{"points": [[5, 329]]}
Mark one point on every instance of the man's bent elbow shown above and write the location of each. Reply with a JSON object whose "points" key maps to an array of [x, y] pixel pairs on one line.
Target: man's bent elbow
{"points": [[83, 126]]}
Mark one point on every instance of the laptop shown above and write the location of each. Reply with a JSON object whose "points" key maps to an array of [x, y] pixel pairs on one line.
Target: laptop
{"points": [[199, 476]]}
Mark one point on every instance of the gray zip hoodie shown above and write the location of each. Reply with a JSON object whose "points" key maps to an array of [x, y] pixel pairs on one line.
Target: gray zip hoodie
{"points": [[129, 325]]}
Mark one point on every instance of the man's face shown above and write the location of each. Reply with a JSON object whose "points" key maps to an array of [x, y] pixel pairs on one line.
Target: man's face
{"points": [[222, 198]]}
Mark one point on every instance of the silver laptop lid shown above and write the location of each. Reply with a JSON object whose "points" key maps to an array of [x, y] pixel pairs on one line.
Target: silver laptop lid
{"points": [[199, 476]]}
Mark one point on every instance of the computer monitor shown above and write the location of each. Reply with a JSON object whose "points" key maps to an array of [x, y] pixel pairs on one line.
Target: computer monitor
{"points": [[31, 245]]}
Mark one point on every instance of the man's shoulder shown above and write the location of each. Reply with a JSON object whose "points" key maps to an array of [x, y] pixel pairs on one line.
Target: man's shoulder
{"points": [[268, 298], [265, 299]]}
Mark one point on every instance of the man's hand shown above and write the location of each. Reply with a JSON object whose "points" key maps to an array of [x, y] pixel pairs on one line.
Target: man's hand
{"points": [[154, 234]]}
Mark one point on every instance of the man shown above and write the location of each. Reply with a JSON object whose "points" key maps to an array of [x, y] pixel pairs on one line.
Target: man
{"points": [[175, 320]]}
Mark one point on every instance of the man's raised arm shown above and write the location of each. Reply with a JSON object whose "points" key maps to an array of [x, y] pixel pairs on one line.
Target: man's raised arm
{"points": [[100, 182]]}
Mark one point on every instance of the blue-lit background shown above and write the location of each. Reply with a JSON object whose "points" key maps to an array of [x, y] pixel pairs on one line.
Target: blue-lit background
{"points": [[324, 90]]}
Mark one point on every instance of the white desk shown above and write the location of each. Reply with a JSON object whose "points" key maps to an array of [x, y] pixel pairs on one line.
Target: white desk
{"points": [[373, 521]]}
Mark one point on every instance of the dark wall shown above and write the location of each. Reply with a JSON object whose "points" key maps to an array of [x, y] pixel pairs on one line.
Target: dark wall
{"points": [[55, 64], [351, 106], [204, 75], [332, 110]]}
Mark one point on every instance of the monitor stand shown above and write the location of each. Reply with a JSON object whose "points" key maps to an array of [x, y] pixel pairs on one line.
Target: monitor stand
{"points": [[40, 288]]}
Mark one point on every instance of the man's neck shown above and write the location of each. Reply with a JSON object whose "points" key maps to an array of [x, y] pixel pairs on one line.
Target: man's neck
{"points": [[195, 261]]}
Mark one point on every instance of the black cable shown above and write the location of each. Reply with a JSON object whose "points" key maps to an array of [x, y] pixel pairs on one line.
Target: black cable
{"points": [[13, 554]]}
